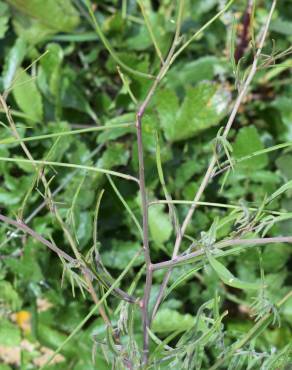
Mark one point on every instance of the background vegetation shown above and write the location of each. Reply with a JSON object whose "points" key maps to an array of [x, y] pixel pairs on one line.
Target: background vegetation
{"points": [[69, 68]]}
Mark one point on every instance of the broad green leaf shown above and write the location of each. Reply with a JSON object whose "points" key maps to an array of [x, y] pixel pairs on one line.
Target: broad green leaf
{"points": [[282, 26], [140, 41], [9, 296], [59, 16], [287, 310], [9, 333], [247, 142], [114, 24], [228, 278], [84, 227], [49, 76], [203, 107], [32, 31], [168, 320], [115, 155], [37, 20], [275, 257], [118, 132], [193, 72], [9, 198], [120, 254], [159, 224], [27, 95], [159, 26], [4, 18], [13, 61], [283, 104], [72, 96], [27, 267], [284, 163], [53, 338]]}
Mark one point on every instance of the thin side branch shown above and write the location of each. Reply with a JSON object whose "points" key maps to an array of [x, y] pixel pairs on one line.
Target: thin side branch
{"points": [[213, 161], [220, 245], [73, 261]]}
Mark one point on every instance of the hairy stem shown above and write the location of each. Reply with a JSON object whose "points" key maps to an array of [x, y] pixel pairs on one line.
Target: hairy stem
{"points": [[220, 245], [213, 160], [73, 261], [143, 194]]}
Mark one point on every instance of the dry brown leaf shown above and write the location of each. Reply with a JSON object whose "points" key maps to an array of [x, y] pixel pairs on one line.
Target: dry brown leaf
{"points": [[43, 304], [46, 354], [10, 355]]}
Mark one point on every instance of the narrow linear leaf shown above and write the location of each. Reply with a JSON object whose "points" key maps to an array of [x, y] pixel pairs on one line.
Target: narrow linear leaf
{"points": [[280, 191], [228, 278]]}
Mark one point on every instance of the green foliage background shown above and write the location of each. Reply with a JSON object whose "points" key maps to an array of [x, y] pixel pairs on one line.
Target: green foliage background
{"points": [[76, 85]]}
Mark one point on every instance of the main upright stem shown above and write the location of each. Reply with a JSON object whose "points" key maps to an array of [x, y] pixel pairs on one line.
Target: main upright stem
{"points": [[145, 302]]}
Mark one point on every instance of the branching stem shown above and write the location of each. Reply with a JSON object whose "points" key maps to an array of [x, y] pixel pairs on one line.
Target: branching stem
{"points": [[213, 160], [143, 194], [220, 245]]}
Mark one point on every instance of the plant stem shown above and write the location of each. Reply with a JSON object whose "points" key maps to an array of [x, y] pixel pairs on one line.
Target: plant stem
{"points": [[54, 209], [43, 204], [143, 194], [228, 126], [64, 133], [212, 204], [150, 30], [73, 261], [213, 161], [223, 244], [93, 310], [70, 165], [22, 226]]}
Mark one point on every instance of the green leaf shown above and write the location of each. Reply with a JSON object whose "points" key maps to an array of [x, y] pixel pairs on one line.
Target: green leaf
{"points": [[281, 190], [275, 257], [9, 296], [282, 26], [168, 320], [283, 105], [4, 18], [228, 278], [284, 164], [193, 72], [13, 61], [115, 155], [9, 334], [120, 254], [27, 96], [84, 229], [9, 198], [247, 142], [53, 338], [108, 135], [159, 224], [27, 267], [49, 76], [286, 311], [58, 16], [203, 107], [72, 96]]}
